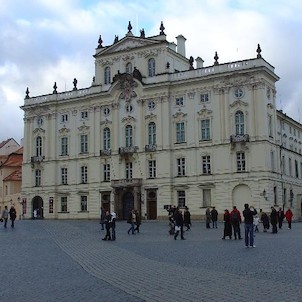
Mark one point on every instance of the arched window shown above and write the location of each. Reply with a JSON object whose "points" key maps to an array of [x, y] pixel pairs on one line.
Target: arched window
{"points": [[151, 67], [129, 68], [152, 133], [129, 136], [107, 75], [106, 138], [239, 122], [39, 146]]}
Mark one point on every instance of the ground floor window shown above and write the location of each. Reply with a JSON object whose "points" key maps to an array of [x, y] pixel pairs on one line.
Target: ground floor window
{"points": [[84, 203], [181, 198], [64, 204], [206, 198]]}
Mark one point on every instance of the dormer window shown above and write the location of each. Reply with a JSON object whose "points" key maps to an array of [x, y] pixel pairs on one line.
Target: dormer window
{"points": [[129, 68], [107, 75], [151, 67]]}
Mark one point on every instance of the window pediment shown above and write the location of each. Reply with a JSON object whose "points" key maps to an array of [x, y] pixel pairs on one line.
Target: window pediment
{"points": [[83, 128], [128, 119], [106, 122], [204, 112], [64, 130], [239, 103], [150, 116], [179, 115], [38, 131]]}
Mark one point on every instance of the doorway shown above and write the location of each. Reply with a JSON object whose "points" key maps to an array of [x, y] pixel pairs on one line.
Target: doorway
{"points": [[128, 204], [151, 205], [37, 204]]}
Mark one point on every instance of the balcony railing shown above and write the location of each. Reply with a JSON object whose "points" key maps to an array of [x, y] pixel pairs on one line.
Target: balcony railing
{"points": [[239, 138], [126, 151], [105, 152], [126, 182], [37, 159], [150, 148]]}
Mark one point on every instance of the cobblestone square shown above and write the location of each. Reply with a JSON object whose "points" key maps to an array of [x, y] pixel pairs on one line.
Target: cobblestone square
{"points": [[55, 260]]}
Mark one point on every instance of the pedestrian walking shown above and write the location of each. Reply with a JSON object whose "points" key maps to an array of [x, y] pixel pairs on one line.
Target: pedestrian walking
{"points": [[289, 217], [179, 223], [113, 219], [214, 217], [5, 216], [107, 226], [248, 214], [131, 220], [187, 219], [102, 217], [280, 217], [265, 221], [256, 222], [274, 220], [12, 215], [208, 218], [236, 221], [138, 221], [227, 231]]}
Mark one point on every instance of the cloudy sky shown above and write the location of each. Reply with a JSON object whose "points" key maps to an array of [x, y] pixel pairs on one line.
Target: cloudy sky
{"points": [[43, 41]]}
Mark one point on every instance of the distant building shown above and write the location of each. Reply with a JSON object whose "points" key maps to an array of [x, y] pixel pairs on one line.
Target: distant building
{"points": [[10, 181], [156, 128]]}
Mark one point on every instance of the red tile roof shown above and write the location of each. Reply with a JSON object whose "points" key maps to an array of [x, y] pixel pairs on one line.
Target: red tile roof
{"points": [[15, 176]]}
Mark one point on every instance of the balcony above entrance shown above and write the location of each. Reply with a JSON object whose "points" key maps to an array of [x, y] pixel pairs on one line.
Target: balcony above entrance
{"points": [[131, 182]]}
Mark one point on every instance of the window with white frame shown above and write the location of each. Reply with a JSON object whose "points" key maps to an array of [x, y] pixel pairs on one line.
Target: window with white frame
{"points": [[270, 126], [290, 167], [273, 160], [240, 161], [107, 75], [181, 199], [84, 174], [180, 132], [128, 170], [64, 176], [83, 143], [64, 204], [106, 168], [152, 169], [296, 169], [151, 67], [181, 166], [205, 130], [64, 145], [84, 115], [38, 176], [179, 101], [39, 146], [129, 68], [106, 138], [283, 165], [84, 203], [129, 136], [206, 198], [204, 97], [239, 123], [64, 118], [206, 164], [152, 133]]}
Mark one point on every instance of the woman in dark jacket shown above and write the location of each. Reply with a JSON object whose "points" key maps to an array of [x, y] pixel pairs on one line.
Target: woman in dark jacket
{"points": [[187, 219], [274, 220], [265, 221], [227, 225]]}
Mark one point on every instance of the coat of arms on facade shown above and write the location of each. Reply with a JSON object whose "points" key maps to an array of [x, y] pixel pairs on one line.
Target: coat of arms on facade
{"points": [[126, 84]]}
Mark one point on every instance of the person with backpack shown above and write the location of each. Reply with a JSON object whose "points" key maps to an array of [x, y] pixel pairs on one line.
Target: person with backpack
{"points": [[236, 221]]}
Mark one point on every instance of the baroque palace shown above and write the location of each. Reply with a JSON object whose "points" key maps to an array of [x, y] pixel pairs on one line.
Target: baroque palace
{"points": [[156, 128]]}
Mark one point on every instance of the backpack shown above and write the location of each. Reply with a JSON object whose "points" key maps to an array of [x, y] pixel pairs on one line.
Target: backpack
{"points": [[235, 216]]}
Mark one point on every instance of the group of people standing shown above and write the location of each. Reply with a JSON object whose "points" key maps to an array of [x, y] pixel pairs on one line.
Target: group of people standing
{"points": [[179, 220], [134, 220], [11, 213], [108, 220]]}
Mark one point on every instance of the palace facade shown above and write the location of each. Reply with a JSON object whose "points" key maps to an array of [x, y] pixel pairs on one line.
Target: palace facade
{"points": [[156, 128]]}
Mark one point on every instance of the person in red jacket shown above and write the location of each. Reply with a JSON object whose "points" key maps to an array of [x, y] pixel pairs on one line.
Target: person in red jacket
{"points": [[235, 221], [289, 217]]}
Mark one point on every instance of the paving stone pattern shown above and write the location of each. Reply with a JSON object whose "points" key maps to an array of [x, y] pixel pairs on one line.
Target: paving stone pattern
{"points": [[45, 260]]}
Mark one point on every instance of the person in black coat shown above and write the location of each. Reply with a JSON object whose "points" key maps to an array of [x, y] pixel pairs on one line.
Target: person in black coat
{"points": [[227, 224], [187, 219], [274, 220], [12, 215], [107, 226], [265, 221], [179, 223], [248, 214], [214, 216]]}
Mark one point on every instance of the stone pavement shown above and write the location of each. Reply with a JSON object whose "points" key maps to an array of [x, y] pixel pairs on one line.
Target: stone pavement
{"points": [[67, 261]]}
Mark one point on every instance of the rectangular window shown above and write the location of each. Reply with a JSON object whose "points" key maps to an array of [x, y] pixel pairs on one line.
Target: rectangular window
{"points": [[84, 203], [64, 118], [84, 115], [129, 170], [106, 172], [152, 169], [273, 161], [64, 146], [206, 164], [205, 130], [64, 176], [270, 126], [290, 167], [180, 132], [84, 174], [64, 204], [240, 161], [181, 166], [179, 101], [181, 199], [283, 165], [296, 169], [204, 97], [206, 198], [38, 178], [50, 210], [84, 143]]}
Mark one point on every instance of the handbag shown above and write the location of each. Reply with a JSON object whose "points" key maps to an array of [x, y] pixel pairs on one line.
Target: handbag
{"points": [[177, 228]]}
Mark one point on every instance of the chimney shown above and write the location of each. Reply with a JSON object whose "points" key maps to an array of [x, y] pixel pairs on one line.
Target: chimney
{"points": [[199, 62], [181, 46]]}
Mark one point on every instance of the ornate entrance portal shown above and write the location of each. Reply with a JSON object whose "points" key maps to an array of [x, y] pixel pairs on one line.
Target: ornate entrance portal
{"points": [[37, 204], [128, 204]]}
